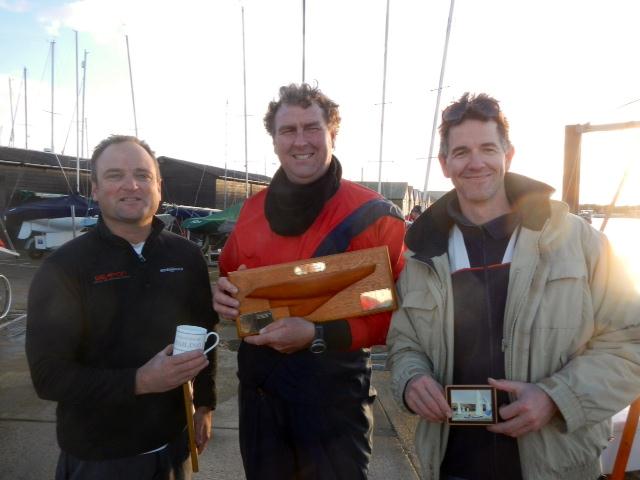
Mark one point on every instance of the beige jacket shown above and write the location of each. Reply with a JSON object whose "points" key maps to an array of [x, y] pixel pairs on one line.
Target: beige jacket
{"points": [[571, 326]]}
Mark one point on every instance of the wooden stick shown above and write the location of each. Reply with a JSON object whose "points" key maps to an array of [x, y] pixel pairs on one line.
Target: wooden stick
{"points": [[188, 406], [626, 441]]}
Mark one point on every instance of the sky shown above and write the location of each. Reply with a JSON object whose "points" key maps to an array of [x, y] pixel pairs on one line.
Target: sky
{"points": [[550, 63]]}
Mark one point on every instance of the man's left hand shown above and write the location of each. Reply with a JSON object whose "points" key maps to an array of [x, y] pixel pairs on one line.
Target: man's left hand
{"points": [[531, 411], [287, 335], [203, 419]]}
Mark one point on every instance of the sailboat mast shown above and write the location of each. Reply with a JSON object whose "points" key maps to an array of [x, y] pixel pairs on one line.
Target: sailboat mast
{"points": [[133, 98], [304, 37], [384, 93], [13, 117], [53, 48], [77, 122], [226, 151], [84, 86], [244, 83], [26, 120], [435, 113]]}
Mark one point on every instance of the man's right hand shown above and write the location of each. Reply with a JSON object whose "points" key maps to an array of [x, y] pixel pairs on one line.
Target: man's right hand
{"points": [[223, 302], [425, 397], [165, 372]]}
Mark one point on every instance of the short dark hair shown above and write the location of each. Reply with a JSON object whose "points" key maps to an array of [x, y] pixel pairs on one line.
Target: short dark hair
{"points": [[303, 95], [473, 107], [113, 140]]}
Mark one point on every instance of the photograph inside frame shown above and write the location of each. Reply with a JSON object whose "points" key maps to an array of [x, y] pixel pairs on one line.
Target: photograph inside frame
{"points": [[472, 404]]}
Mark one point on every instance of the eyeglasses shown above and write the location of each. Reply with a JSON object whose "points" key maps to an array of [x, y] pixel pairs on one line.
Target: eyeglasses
{"points": [[485, 106]]}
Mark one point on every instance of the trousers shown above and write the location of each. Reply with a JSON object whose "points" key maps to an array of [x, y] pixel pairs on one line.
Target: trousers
{"points": [[281, 440], [170, 463]]}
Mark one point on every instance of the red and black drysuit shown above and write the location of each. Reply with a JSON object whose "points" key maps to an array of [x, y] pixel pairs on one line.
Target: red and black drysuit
{"points": [[306, 415]]}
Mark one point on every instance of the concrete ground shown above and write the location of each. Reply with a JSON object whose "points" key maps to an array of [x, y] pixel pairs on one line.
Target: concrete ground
{"points": [[28, 448]]}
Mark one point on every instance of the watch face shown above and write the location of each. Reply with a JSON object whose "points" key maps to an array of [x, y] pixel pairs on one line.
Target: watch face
{"points": [[318, 346]]}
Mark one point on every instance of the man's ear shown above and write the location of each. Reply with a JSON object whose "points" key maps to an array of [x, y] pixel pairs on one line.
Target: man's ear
{"points": [[94, 187], [508, 157], [443, 165]]}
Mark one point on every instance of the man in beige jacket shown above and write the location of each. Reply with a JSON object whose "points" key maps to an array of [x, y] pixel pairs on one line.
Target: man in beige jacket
{"points": [[503, 286]]}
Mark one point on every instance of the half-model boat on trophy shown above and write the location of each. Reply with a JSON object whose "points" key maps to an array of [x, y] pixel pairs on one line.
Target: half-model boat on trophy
{"points": [[319, 289], [304, 296]]}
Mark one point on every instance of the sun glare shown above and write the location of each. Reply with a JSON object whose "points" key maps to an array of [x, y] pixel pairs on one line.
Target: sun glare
{"points": [[623, 234]]}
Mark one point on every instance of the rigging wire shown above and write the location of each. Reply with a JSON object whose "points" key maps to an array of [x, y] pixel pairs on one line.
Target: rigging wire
{"points": [[612, 205], [629, 103], [66, 179], [74, 116], [195, 200], [14, 113]]}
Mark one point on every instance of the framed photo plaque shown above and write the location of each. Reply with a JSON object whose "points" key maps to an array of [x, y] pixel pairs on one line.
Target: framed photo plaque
{"points": [[472, 405]]}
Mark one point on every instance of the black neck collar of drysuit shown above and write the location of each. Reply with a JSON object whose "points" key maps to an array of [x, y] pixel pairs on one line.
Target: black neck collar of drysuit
{"points": [[429, 235], [291, 208]]}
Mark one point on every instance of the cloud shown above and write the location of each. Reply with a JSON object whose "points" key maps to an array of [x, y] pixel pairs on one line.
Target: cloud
{"points": [[103, 19], [53, 28], [16, 6]]}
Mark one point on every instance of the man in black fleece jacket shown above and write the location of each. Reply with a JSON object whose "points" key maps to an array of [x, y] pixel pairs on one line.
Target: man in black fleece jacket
{"points": [[102, 314]]}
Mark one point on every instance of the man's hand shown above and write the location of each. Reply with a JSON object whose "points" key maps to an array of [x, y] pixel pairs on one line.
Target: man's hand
{"points": [[425, 397], [223, 301], [203, 419], [287, 335], [165, 372], [531, 411]]}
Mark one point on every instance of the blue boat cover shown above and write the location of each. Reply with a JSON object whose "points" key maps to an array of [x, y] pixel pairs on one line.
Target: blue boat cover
{"points": [[58, 207]]}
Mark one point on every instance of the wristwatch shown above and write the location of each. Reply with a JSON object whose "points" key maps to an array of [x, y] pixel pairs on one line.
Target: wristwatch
{"points": [[318, 345]]}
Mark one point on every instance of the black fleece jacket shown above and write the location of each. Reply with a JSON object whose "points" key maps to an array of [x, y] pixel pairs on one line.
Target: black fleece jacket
{"points": [[96, 313]]}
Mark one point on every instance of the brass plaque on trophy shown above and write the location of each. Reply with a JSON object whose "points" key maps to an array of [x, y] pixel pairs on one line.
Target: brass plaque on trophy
{"points": [[319, 289]]}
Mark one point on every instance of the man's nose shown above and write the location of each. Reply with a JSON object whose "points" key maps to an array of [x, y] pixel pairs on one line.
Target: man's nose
{"points": [[130, 183], [299, 139], [475, 159]]}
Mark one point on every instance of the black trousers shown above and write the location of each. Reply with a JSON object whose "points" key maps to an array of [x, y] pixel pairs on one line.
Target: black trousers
{"points": [[287, 441], [170, 463]]}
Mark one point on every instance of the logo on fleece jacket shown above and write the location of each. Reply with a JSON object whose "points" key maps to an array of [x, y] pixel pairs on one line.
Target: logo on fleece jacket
{"points": [[171, 269], [107, 277]]}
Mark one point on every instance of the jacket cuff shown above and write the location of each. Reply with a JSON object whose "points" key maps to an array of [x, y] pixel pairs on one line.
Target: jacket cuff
{"points": [[400, 379], [129, 387], [204, 386], [567, 403], [337, 335]]}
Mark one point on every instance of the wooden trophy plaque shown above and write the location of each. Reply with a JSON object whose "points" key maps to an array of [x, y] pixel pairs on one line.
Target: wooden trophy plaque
{"points": [[319, 289]]}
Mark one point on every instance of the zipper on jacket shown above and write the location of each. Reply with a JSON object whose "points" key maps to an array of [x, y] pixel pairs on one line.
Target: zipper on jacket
{"points": [[507, 333]]}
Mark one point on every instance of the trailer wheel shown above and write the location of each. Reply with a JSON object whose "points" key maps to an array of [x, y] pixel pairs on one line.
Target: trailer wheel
{"points": [[5, 296]]}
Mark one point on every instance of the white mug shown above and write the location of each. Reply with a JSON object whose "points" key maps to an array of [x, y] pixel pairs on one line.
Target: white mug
{"points": [[191, 337]]}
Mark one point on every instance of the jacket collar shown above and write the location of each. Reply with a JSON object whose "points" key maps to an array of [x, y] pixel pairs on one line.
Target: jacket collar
{"points": [[429, 235], [104, 233]]}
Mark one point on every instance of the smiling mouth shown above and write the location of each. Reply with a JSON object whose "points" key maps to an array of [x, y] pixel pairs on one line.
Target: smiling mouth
{"points": [[302, 156], [477, 177]]}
